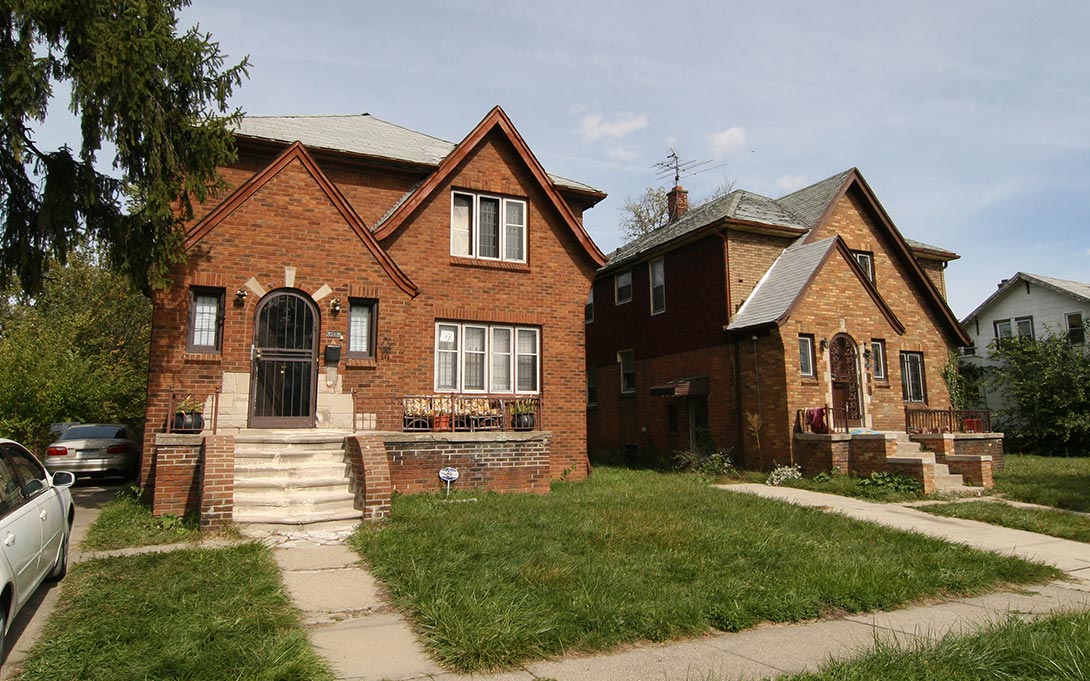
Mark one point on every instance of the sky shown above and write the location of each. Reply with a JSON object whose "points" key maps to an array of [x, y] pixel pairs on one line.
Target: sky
{"points": [[970, 120]]}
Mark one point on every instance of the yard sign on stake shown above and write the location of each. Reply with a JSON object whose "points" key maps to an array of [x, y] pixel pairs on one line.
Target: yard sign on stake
{"points": [[448, 475]]}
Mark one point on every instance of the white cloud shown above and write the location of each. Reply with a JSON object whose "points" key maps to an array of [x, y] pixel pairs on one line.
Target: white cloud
{"points": [[789, 183], [1088, 251], [728, 141], [594, 126], [625, 154]]}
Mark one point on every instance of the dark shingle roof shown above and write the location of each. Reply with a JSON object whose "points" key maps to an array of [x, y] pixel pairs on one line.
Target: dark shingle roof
{"points": [[363, 134], [809, 203], [782, 284]]}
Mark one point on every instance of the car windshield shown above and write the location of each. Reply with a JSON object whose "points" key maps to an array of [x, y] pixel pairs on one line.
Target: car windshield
{"points": [[93, 432]]}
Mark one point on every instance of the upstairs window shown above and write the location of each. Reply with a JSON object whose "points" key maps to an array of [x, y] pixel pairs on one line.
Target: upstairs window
{"points": [[1076, 332], [866, 262], [205, 320], [361, 328], [622, 287], [658, 286], [487, 227], [1025, 327], [1022, 327], [588, 308], [914, 387], [878, 359], [1003, 329], [806, 356]]}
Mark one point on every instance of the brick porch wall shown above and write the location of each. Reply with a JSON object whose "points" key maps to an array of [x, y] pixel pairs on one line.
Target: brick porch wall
{"points": [[508, 462], [178, 473], [822, 453], [217, 500], [370, 471]]}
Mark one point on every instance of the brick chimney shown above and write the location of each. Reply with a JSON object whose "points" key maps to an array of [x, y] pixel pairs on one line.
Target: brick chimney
{"points": [[677, 202]]}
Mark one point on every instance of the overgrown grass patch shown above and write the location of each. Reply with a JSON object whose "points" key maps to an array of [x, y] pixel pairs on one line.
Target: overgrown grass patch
{"points": [[189, 614], [636, 555], [1062, 482], [842, 484], [1051, 649], [1043, 521], [125, 521]]}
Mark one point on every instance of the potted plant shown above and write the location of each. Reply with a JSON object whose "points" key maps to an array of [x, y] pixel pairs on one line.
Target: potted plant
{"points": [[523, 413], [188, 415], [442, 407]]}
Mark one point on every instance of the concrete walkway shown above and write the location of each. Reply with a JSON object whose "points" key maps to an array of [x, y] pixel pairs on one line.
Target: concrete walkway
{"points": [[352, 625]]}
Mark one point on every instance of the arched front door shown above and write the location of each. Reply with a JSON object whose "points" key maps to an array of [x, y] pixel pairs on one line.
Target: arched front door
{"points": [[283, 378], [844, 372]]}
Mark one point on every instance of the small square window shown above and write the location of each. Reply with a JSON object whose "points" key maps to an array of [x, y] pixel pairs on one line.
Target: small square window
{"points": [[806, 356], [361, 328], [866, 262], [205, 320], [623, 287], [1025, 327]]}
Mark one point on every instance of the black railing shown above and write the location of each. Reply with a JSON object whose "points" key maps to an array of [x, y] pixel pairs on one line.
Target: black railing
{"points": [[822, 420], [948, 420], [469, 413]]}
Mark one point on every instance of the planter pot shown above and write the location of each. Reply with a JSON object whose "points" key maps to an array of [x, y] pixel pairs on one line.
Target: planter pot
{"points": [[188, 422], [522, 421], [441, 422]]}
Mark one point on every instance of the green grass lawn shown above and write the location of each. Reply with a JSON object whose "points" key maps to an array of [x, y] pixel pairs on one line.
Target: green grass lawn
{"points": [[1048, 480], [844, 485], [1044, 521], [191, 614], [125, 521], [1051, 649], [636, 555]]}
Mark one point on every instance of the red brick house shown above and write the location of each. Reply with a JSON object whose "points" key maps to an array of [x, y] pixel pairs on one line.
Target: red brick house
{"points": [[757, 321], [367, 305]]}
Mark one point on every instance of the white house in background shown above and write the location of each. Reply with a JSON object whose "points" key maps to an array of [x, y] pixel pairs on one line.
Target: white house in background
{"points": [[1026, 305]]}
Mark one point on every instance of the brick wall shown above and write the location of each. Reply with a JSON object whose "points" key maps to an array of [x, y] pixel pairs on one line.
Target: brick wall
{"points": [[178, 473], [370, 474], [218, 481], [290, 234], [817, 453], [487, 461]]}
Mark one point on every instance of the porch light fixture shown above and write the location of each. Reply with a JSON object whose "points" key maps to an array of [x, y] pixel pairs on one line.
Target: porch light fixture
{"points": [[240, 297], [866, 358], [335, 306], [824, 343]]}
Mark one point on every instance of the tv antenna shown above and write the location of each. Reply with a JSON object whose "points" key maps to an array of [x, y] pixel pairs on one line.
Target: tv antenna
{"points": [[673, 165]]}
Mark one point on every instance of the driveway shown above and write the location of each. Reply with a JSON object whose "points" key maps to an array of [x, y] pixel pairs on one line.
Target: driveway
{"points": [[89, 496]]}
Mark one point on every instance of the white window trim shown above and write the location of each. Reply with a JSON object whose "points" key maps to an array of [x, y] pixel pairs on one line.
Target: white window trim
{"points": [[461, 360], [617, 288], [475, 232], [651, 284], [808, 341], [868, 269], [878, 359]]}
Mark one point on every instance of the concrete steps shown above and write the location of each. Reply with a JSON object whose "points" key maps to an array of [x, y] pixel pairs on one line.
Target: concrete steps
{"points": [[295, 478], [944, 479]]}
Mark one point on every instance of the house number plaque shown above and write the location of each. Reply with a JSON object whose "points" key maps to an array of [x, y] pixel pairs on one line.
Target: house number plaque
{"points": [[448, 475]]}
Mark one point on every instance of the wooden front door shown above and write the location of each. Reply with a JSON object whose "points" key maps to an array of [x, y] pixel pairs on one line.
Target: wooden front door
{"points": [[844, 371], [283, 378]]}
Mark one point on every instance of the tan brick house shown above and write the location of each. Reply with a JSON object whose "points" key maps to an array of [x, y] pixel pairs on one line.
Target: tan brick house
{"points": [[779, 326], [367, 305]]}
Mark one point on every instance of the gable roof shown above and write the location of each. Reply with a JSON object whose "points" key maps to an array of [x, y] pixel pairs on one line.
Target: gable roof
{"points": [[297, 152], [495, 120], [783, 285], [1072, 289], [365, 135], [799, 211]]}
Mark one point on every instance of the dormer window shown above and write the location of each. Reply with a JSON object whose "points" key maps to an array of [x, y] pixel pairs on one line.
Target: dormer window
{"points": [[487, 227]]}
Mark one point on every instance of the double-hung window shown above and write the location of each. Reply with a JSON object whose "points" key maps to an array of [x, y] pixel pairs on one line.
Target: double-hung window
{"points": [[622, 287], [205, 320], [913, 384], [627, 360], [878, 358], [472, 357], [488, 227], [806, 356], [361, 328], [1076, 332], [658, 286]]}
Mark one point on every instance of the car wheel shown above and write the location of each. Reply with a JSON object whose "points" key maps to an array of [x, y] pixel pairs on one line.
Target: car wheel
{"points": [[3, 632], [60, 568]]}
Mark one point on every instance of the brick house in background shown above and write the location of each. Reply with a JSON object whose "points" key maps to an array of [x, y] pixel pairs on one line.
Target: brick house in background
{"points": [[367, 305], [761, 320]]}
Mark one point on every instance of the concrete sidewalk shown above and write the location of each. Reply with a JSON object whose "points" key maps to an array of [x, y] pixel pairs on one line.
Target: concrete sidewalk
{"points": [[363, 638]]}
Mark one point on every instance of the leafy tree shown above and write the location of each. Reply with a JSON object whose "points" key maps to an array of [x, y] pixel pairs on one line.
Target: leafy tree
{"points": [[78, 351], [650, 210], [157, 97], [1046, 384]]}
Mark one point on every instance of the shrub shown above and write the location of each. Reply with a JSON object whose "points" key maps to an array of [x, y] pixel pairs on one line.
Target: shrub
{"points": [[781, 474], [711, 464], [880, 481]]}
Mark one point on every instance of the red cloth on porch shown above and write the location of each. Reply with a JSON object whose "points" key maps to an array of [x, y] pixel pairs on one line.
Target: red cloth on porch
{"points": [[815, 417]]}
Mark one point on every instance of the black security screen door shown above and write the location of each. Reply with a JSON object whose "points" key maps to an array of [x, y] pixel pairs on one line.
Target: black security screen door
{"points": [[282, 385]]}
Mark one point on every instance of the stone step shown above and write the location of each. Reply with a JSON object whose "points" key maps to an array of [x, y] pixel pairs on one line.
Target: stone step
{"points": [[948, 480], [287, 451], [289, 459], [961, 491], [942, 469], [288, 485], [265, 468], [296, 498], [296, 518]]}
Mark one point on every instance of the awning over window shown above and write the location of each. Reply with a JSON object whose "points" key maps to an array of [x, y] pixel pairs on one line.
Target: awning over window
{"points": [[682, 388]]}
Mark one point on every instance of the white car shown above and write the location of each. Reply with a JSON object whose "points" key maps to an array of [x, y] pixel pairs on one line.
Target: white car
{"points": [[36, 516]]}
